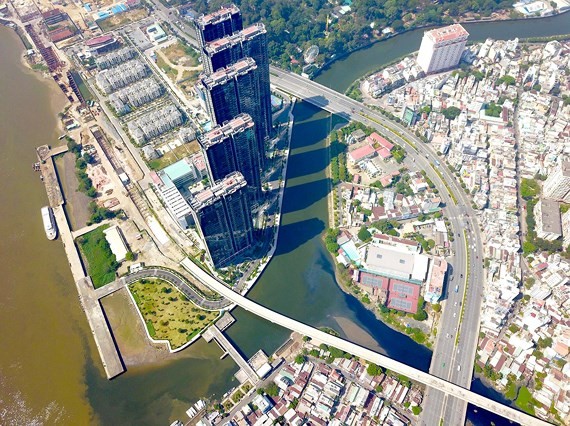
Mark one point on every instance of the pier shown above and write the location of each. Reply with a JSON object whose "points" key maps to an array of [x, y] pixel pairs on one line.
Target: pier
{"points": [[49, 175], [214, 333], [104, 341]]}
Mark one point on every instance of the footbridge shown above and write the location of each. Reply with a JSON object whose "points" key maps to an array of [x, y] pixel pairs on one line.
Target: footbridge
{"points": [[360, 351]]}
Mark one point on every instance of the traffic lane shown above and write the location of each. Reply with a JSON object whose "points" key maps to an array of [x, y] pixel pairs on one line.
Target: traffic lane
{"points": [[446, 347]]}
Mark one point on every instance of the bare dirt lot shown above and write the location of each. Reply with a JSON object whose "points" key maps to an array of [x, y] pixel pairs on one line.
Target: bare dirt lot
{"points": [[76, 203]]}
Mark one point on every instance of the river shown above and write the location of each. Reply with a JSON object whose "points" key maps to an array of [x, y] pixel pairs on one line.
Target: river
{"points": [[49, 368], [343, 72]]}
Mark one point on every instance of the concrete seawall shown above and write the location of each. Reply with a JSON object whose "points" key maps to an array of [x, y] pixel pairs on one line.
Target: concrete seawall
{"points": [[104, 341]]}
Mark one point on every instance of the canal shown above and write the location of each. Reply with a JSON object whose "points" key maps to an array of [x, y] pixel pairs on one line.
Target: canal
{"points": [[343, 72], [50, 369]]}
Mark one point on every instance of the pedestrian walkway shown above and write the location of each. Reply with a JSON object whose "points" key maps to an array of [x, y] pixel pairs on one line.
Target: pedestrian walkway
{"points": [[213, 332], [108, 352]]}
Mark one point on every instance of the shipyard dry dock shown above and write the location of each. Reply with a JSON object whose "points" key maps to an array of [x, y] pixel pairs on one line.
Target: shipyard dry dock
{"points": [[106, 346]]}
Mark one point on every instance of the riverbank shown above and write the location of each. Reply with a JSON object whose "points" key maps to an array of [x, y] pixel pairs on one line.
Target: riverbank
{"points": [[343, 71], [48, 347], [393, 36], [344, 283]]}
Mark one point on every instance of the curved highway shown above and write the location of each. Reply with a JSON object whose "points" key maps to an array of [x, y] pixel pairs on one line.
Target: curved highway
{"points": [[427, 379], [450, 361], [180, 283]]}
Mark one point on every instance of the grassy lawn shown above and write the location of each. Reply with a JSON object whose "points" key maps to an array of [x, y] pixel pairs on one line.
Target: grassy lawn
{"points": [[525, 401], [168, 70], [173, 156], [167, 313], [121, 19], [178, 54], [511, 391], [97, 256]]}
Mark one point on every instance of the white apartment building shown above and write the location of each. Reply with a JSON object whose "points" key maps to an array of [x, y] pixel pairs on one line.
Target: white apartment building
{"points": [[547, 218], [557, 186], [441, 48], [566, 228]]}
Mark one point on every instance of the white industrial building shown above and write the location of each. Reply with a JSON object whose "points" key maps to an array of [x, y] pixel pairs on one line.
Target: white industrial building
{"points": [[441, 49], [397, 262]]}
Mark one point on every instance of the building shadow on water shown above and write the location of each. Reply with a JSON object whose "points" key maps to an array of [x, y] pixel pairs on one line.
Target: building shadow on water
{"points": [[294, 235], [308, 162], [299, 197]]}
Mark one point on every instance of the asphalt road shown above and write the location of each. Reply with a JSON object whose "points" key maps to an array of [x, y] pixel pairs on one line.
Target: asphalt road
{"points": [[450, 361], [181, 284]]}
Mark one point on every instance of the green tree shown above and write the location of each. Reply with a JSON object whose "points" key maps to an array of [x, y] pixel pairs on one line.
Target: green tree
{"points": [[507, 79], [272, 389], [544, 343], [528, 248], [374, 370], [493, 110], [300, 359], [421, 315], [416, 409], [529, 189], [364, 235], [451, 113]]}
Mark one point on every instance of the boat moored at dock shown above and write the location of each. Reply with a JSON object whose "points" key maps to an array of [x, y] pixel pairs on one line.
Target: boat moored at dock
{"points": [[49, 223]]}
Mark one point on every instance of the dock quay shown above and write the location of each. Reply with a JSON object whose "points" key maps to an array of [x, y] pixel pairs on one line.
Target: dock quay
{"points": [[112, 362], [225, 321], [245, 372], [48, 173]]}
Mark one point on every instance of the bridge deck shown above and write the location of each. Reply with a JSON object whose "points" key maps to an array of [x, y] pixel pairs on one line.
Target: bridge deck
{"points": [[361, 352], [214, 332]]}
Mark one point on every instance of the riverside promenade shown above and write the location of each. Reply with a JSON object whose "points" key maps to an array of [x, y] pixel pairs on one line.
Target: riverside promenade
{"points": [[104, 341], [213, 332]]}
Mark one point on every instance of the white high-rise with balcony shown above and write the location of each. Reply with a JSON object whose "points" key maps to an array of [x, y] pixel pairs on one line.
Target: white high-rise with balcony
{"points": [[441, 48], [557, 186]]}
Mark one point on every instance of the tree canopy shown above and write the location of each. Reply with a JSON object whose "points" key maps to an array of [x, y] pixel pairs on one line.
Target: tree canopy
{"points": [[451, 113]]}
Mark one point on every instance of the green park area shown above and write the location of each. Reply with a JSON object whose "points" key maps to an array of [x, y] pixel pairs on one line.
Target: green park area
{"points": [[525, 401], [98, 259], [167, 313]]}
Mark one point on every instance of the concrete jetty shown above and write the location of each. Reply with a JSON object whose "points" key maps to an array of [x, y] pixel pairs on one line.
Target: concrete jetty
{"points": [[49, 175], [108, 351], [246, 371]]}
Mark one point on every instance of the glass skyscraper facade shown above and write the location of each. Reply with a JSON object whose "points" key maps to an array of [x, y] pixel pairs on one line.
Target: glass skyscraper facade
{"points": [[232, 147], [235, 90], [223, 22], [248, 43], [236, 94], [222, 215]]}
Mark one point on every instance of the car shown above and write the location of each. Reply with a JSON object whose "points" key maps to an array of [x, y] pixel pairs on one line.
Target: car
{"points": [[458, 368], [461, 275], [454, 314], [455, 304]]}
